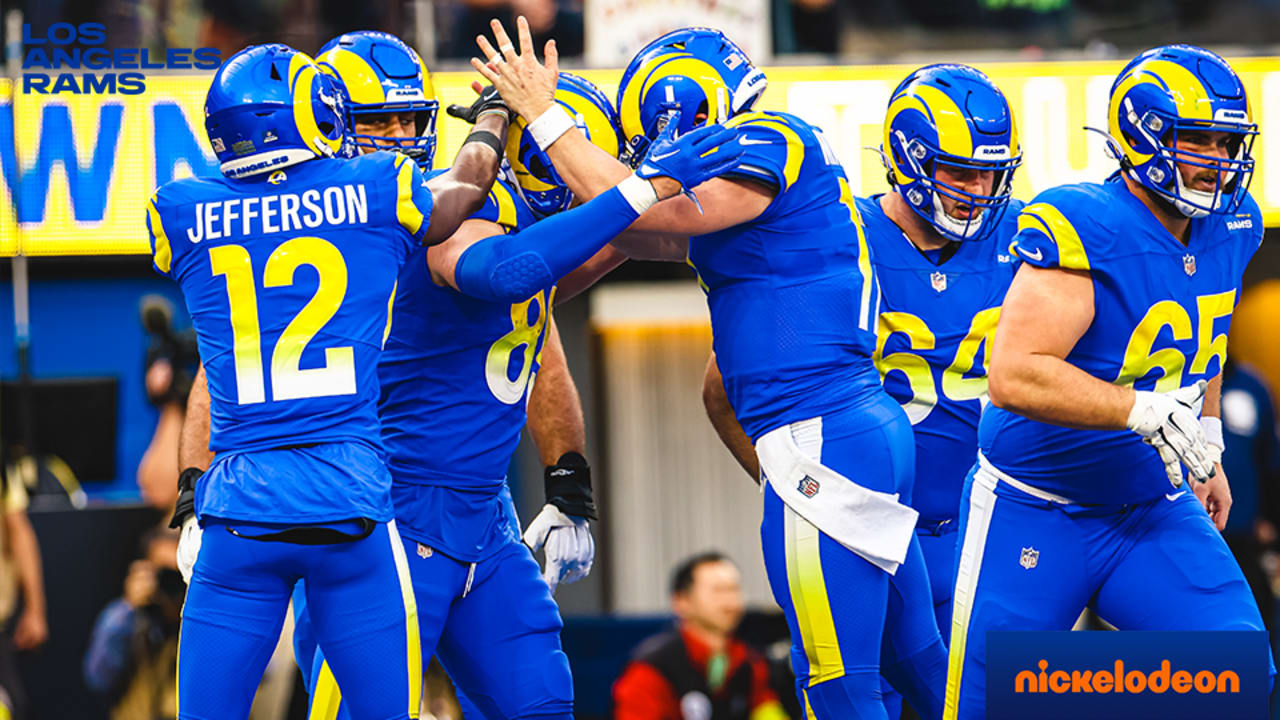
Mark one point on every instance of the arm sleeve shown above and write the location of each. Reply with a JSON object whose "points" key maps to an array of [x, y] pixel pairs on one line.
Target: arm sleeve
{"points": [[413, 200], [641, 693], [510, 268], [1047, 239]]}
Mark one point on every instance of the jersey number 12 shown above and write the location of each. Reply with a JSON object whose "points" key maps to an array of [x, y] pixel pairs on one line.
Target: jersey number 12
{"points": [[288, 381]]}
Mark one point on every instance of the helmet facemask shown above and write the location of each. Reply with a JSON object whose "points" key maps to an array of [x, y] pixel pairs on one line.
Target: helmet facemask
{"points": [[1232, 174]]}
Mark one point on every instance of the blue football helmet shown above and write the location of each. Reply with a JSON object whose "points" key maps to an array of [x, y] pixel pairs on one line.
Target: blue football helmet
{"points": [[381, 74], [529, 168], [698, 74], [950, 116], [270, 107], [1174, 89]]}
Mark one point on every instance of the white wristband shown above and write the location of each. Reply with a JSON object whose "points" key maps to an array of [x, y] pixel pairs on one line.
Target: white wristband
{"points": [[550, 125], [638, 193], [1212, 427]]}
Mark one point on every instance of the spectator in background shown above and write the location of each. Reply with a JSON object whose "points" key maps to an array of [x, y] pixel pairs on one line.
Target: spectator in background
{"points": [[458, 22], [133, 652], [1252, 464], [21, 577], [699, 671]]}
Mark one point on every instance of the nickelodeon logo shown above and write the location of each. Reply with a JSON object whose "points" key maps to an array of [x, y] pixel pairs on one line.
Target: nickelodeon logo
{"points": [[1159, 681]]}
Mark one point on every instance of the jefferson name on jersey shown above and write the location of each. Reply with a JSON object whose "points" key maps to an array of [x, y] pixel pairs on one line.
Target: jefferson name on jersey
{"points": [[336, 205]]}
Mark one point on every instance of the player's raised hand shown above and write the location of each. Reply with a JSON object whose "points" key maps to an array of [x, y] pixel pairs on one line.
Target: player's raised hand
{"points": [[693, 158], [1170, 423], [529, 87], [488, 100]]}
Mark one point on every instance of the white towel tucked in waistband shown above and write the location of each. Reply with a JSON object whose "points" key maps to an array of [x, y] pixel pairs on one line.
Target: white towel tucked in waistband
{"points": [[872, 524]]}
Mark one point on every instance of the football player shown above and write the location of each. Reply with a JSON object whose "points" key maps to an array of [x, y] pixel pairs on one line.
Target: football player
{"points": [[779, 247], [456, 365], [939, 243], [265, 256], [500, 268], [1113, 332]]}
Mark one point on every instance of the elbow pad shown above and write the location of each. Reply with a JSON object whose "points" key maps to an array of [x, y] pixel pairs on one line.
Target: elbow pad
{"points": [[481, 273]]}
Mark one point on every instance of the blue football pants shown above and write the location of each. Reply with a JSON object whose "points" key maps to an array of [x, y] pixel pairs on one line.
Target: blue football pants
{"points": [[361, 608]]}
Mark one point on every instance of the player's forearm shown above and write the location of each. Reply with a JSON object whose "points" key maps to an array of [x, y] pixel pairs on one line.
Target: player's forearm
{"points": [[26, 555], [1052, 390], [193, 445], [1213, 398], [589, 272], [725, 421], [555, 410], [589, 171], [639, 245], [586, 168], [461, 191]]}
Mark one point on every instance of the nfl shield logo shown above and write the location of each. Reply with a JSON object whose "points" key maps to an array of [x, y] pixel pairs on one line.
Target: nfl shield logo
{"points": [[424, 551], [1189, 264], [808, 486], [1030, 556], [939, 281]]}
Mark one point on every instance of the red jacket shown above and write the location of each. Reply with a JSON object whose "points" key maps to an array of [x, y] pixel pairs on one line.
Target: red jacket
{"points": [[676, 664]]}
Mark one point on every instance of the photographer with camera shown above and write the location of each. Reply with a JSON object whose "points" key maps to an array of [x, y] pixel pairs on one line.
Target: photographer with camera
{"points": [[132, 658], [171, 360]]}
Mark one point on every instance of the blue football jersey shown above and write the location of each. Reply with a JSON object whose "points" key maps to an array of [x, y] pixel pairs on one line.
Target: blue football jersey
{"points": [[791, 293], [288, 278], [932, 343], [1161, 315], [456, 376]]}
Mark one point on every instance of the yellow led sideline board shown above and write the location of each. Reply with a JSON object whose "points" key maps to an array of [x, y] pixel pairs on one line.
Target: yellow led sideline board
{"points": [[85, 165]]}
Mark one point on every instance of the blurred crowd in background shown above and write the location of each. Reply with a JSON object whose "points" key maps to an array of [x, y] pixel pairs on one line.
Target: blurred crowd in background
{"points": [[850, 29]]}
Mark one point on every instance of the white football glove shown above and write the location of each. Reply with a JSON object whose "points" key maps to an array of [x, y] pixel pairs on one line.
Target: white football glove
{"points": [[570, 549], [1170, 423], [189, 547]]}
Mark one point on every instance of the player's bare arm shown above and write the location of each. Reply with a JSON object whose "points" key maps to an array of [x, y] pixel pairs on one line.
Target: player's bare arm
{"points": [[555, 410], [193, 444], [723, 419], [462, 190], [1214, 493], [1029, 373], [588, 170]]}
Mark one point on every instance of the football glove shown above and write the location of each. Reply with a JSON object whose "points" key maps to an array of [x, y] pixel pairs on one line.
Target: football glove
{"points": [[184, 516], [695, 158], [489, 99], [562, 528], [1170, 423]]}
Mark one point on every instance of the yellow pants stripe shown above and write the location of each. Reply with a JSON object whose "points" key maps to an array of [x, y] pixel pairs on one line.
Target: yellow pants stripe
{"points": [[412, 637], [982, 502], [326, 698], [809, 598], [808, 707]]}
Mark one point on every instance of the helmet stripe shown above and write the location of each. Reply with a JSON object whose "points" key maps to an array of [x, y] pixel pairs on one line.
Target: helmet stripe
{"points": [[359, 77], [954, 137], [304, 115], [506, 206], [599, 126]]}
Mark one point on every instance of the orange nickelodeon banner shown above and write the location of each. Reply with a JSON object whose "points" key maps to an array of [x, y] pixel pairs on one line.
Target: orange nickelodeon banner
{"points": [[78, 169]]}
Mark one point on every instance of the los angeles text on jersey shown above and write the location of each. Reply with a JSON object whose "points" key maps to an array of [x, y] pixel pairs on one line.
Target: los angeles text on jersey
{"points": [[279, 213]]}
